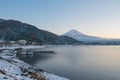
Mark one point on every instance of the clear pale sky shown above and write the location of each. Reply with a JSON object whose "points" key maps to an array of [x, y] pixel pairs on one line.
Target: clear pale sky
{"points": [[92, 17]]}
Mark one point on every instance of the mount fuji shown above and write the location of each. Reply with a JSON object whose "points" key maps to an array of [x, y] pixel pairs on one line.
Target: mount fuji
{"points": [[86, 39], [82, 37]]}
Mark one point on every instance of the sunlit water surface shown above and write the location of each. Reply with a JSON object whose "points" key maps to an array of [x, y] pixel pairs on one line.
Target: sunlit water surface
{"points": [[79, 62]]}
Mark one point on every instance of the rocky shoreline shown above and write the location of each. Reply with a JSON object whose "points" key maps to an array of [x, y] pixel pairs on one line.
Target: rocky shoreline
{"points": [[12, 68]]}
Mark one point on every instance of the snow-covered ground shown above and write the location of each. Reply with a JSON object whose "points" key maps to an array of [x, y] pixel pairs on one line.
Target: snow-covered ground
{"points": [[24, 47], [11, 68]]}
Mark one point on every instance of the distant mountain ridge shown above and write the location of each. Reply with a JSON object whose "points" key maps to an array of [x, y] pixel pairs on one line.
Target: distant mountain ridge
{"points": [[2, 20], [86, 39], [13, 30], [16, 30], [80, 36]]}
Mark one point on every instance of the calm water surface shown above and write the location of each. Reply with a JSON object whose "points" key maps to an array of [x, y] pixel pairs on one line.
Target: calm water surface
{"points": [[80, 62]]}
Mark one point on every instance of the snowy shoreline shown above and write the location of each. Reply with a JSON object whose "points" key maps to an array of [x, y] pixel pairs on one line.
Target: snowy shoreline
{"points": [[11, 68], [24, 47]]}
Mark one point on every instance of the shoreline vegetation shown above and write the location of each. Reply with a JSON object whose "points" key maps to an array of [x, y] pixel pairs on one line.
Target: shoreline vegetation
{"points": [[12, 68]]}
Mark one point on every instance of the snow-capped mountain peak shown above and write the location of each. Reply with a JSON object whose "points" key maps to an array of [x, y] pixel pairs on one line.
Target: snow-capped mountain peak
{"points": [[74, 32], [80, 36]]}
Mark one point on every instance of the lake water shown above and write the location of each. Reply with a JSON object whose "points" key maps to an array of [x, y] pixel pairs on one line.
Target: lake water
{"points": [[80, 62]]}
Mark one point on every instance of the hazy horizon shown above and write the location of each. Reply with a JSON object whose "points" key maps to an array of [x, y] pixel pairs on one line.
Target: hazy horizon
{"points": [[92, 17]]}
